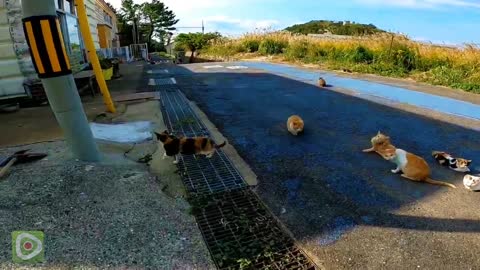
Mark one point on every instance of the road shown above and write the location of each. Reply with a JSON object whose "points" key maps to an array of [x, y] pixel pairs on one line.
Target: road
{"points": [[345, 207]]}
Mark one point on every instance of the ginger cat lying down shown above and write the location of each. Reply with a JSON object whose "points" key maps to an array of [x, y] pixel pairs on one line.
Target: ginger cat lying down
{"points": [[412, 166], [295, 124]]}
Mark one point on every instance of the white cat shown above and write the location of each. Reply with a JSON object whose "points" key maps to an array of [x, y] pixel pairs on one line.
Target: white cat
{"points": [[471, 182]]}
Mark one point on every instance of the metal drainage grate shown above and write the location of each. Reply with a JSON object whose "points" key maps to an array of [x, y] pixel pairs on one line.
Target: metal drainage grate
{"points": [[165, 81], [203, 175], [200, 175], [240, 231], [179, 116]]}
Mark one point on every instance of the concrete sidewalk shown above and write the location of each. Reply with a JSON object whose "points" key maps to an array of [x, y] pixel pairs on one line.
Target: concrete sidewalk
{"points": [[116, 214]]}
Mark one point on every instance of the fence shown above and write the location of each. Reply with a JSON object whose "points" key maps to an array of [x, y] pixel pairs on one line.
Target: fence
{"points": [[139, 51], [123, 53]]}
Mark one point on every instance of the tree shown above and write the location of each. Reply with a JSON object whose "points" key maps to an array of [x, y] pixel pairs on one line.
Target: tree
{"points": [[144, 22], [337, 28], [129, 13], [194, 41], [159, 20]]}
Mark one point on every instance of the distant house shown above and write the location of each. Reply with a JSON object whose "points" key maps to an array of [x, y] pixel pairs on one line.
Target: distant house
{"points": [[15, 63]]}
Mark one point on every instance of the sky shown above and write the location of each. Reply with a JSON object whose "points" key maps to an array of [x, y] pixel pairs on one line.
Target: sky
{"points": [[437, 21]]}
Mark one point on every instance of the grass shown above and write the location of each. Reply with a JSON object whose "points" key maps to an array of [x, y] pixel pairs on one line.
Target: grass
{"points": [[383, 54], [164, 54]]}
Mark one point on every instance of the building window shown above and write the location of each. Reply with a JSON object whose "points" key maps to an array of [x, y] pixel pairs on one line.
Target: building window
{"points": [[71, 34], [67, 6], [107, 18]]}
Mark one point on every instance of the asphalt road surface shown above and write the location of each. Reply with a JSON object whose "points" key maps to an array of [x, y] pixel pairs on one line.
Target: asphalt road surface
{"points": [[345, 207]]}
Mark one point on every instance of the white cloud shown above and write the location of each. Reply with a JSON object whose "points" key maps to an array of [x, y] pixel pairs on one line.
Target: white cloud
{"points": [[212, 12], [231, 25], [424, 3]]}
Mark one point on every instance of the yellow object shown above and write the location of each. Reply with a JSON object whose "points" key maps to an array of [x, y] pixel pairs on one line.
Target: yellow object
{"points": [[92, 54], [104, 35], [34, 48], [63, 44], [45, 40], [52, 53], [107, 73]]}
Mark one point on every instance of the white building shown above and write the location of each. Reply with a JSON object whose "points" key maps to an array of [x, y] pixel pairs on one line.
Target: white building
{"points": [[15, 63]]}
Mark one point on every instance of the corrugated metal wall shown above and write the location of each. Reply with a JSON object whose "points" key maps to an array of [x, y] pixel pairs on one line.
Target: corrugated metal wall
{"points": [[92, 14], [15, 63]]}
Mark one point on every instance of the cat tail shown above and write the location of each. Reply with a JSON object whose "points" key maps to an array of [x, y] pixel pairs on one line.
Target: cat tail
{"points": [[439, 183], [218, 146]]}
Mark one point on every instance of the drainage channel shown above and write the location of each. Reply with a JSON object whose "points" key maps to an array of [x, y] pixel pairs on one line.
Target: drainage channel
{"points": [[239, 230]]}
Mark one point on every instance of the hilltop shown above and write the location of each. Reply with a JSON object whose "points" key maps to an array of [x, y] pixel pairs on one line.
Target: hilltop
{"points": [[332, 27]]}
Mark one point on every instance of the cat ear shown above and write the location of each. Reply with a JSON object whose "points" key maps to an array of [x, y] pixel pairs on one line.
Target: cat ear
{"points": [[379, 132], [157, 134]]}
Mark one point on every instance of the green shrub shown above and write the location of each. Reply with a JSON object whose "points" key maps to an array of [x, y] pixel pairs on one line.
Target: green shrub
{"points": [[297, 50], [271, 46], [361, 55], [251, 45]]}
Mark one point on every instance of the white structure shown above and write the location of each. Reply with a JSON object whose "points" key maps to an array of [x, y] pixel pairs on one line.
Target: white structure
{"points": [[15, 63]]}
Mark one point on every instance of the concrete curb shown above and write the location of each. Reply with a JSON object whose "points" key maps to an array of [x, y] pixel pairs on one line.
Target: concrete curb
{"points": [[243, 168]]}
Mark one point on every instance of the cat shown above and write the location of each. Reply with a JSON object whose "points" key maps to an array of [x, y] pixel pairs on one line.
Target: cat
{"points": [[187, 146], [295, 124], [456, 164], [412, 166], [322, 82], [380, 144], [471, 182]]}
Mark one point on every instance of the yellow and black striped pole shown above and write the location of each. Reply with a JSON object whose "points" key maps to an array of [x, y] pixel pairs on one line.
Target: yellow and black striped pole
{"points": [[50, 59], [44, 37]]}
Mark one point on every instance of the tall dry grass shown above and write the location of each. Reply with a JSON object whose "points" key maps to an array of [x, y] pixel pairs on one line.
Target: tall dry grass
{"points": [[383, 54]]}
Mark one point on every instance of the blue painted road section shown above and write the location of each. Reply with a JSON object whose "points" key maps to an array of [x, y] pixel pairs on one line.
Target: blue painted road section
{"points": [[321, 180], [396, 94]]}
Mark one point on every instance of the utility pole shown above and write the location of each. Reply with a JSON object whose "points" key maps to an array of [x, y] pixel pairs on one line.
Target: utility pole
{"points": [[92, 54], [203, 28], [49, 57]]}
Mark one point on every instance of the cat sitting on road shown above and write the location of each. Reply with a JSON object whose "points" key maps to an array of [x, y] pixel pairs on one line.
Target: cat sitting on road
{"points": [[322, 82], [380, 144], [187, 146], [471, 182], [456, 164], [295, 124], [412, 166]]}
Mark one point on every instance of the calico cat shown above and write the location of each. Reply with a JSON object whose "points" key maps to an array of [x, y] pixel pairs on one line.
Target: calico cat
{"points": [[380, 144], [187, 146], [412, 166], [456, 164], [471, 182], [322, 82], [295, 124]]}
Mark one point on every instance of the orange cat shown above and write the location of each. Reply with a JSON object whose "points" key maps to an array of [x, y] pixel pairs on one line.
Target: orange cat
{"points": [[295, 124], [380, 144], [413, 167]]}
